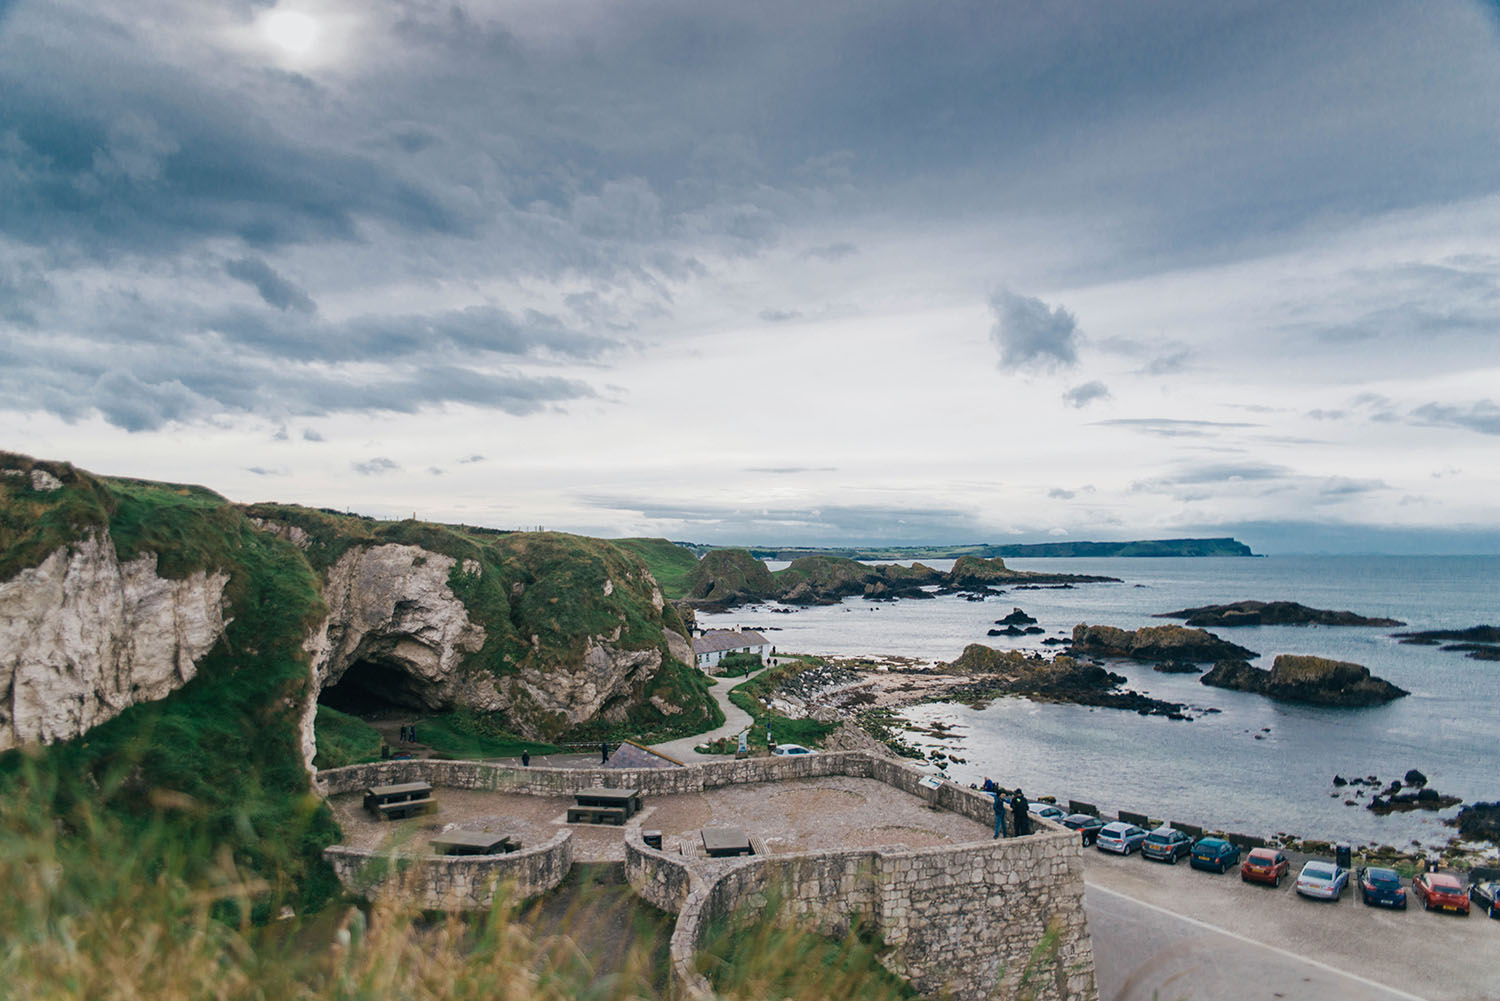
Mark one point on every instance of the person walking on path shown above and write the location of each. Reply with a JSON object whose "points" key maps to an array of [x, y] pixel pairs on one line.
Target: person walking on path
{"points": [[999, 815], [525, 757], [1022, 810], [603, 752]]}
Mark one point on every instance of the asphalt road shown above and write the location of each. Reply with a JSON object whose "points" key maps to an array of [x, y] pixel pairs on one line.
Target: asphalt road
{"points": [[1170, 933]]}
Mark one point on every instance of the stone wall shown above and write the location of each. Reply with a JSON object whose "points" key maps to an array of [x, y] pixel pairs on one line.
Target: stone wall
{"points": [[966, 919], [455, 882], [651, 781], [962, 921]]}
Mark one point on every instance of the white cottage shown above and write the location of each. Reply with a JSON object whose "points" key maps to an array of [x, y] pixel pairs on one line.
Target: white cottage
{"points": [[710, 648]]}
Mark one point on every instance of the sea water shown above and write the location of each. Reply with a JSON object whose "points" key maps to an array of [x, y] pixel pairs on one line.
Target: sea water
{"points": [[1257, 766]]}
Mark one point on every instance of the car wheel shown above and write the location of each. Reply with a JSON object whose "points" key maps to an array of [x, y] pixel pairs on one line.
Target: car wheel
{"points": [[1172, 858], [1426, 904]]}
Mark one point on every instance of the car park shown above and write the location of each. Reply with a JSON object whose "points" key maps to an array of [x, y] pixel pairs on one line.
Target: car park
{"points": [[1166, 844], [1047, 812], [1440, 891], [1214, 854], [1322, 880], [1482, 896], [1381, 887], [786, 750], [1120, 838], [1264, 865], [1087, 825]]}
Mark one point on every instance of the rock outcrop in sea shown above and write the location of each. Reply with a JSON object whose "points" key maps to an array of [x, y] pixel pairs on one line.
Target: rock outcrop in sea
{"points": [[1271, 613], [1296, 678], [1478, 642], [1159, 643], [728, 578], [1060, 679]]}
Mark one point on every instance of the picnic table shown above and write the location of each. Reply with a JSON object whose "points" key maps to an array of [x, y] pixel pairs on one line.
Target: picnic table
{"points": [[400, 800], [473, 843], [724, 842], [601, 805]]}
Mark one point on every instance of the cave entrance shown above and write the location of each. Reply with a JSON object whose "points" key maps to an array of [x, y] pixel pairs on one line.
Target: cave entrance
{"points": [[371, 689]]}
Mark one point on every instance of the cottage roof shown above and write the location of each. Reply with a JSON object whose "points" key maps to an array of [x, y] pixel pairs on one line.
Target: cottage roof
{"points": [[727, 639]]}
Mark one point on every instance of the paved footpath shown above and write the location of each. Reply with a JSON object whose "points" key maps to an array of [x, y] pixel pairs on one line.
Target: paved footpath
{"points": [[735, 720]]}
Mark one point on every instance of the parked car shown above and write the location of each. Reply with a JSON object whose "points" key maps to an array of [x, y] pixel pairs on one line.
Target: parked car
{"points": [[1381, 886], [1322, 880], [1087, 825], [788, 749], [1166, 844], [1120, 838], [1440, 890], [1214, 854], [1264, 865], [1046, 811], [1483, 896]]}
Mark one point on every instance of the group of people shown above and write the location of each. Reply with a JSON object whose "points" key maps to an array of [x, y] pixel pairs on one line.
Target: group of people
{"points": [[1019, 809], [408, 733]]}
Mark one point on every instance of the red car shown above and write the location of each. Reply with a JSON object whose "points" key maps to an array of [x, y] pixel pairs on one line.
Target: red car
{"points": [[1264, 865], [1440, 890]]}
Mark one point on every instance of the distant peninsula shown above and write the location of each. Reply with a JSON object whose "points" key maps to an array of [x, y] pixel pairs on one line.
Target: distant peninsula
{"points": [[1050, 550]]}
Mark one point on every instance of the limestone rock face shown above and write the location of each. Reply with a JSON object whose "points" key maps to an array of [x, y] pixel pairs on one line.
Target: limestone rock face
{"points": [[84, 637]]}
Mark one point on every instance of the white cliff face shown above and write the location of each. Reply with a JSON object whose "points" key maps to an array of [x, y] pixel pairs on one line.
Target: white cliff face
{"points": [[84, 637]]}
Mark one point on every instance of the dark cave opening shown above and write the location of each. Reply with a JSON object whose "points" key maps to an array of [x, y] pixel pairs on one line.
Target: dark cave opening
{"points": [[371, 689]]}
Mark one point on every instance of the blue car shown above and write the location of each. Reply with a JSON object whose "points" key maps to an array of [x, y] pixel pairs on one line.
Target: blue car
{"points": [[1214, 854], [1381, 887]]}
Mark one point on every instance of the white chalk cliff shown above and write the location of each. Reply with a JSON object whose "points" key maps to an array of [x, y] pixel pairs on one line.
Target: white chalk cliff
{"points": [[83, 637]]}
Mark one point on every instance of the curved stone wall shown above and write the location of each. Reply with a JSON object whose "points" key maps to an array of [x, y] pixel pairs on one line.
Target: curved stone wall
{"points": [[455, 882], [966, 919]]}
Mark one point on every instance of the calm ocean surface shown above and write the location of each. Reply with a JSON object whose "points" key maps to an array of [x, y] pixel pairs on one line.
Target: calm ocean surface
{"points": [[1212, 770]]}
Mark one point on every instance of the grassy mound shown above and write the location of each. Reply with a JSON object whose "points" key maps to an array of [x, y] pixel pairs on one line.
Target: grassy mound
{"points": [[668, 562]]}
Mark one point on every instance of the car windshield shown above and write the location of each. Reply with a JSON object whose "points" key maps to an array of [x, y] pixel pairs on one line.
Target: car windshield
{"points": [[1157, 838], [1263, 857], [1116, 830], [1385, 877], [1210, 845], [1318, 870], [1446, 884]]}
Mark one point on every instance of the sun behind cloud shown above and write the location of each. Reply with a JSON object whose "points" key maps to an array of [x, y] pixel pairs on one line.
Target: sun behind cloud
{"points": [[292, 31]]}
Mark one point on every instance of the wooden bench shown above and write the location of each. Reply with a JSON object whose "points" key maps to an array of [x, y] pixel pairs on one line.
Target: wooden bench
{"points": [[403, 808], [401, 800], [597, 815], [473, 843]]}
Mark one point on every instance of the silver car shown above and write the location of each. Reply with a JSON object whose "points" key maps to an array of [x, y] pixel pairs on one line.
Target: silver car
{"points": [[1322, 880], [1120, 838]]}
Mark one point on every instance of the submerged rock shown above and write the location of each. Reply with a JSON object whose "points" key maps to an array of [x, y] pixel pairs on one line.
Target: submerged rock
{"points": [[1271, 613], [1317, 680]]}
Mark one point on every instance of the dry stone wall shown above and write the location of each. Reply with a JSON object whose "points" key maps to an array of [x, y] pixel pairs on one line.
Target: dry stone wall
{"points": [[455, 882]]}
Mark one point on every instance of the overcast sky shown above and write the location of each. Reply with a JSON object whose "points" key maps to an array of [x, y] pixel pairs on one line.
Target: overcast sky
{"points": [[779, 272]]}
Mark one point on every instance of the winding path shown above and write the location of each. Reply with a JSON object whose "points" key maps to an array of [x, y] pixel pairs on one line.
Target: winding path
{"points": [[735, 720]]}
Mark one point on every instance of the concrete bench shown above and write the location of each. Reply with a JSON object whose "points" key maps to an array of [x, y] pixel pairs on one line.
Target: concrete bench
{"points": [[597, 815]]}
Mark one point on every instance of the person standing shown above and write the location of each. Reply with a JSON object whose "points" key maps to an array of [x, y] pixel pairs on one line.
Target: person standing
{"points": [[999, 815], [603, 752], [525, 757], [1022, 810]]}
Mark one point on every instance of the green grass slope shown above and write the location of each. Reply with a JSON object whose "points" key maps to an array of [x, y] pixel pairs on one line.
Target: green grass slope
{"points": [[668, 562]]}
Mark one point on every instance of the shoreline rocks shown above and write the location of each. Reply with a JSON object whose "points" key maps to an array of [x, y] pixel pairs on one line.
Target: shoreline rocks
{"points": [[1314, 680], [1271, 613], [1478, 642], [1158, 643], [1061, 679]]}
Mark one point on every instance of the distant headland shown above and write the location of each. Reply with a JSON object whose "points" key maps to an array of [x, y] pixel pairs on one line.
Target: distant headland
{"points": [[1051, 550]]}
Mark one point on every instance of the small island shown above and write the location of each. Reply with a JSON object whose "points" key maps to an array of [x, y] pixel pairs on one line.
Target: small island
{"points": [[1479, 642], [1271, 613], [1160, 643], [1315, 680]]}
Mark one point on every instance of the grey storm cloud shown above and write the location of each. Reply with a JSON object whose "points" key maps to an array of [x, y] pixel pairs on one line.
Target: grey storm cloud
{"points": [[1058, 493], [1082, 395], [309, 434], [378, 466], [1482, 416], [1031, 334], [273, 288]]}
